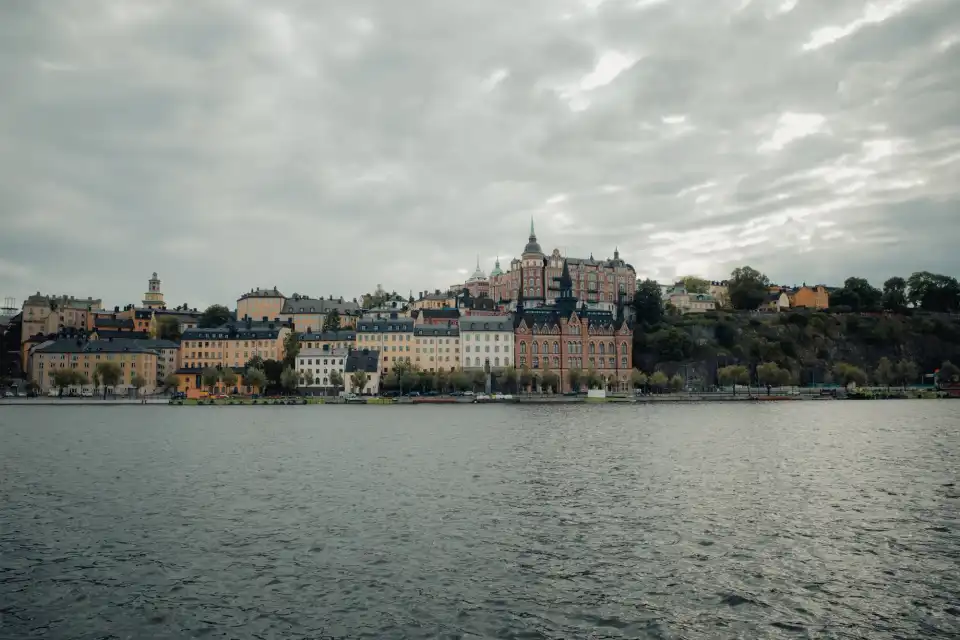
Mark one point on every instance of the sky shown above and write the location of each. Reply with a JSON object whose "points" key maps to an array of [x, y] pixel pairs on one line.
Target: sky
{"points": [[326, 147]]}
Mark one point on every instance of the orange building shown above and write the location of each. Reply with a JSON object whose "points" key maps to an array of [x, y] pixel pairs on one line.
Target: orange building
{"points": [[815, 297], [261, 303]]}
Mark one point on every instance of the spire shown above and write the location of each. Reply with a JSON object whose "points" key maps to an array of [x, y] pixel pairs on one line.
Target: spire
{"points": [[532, 233], [478, 262], [566, 282]]}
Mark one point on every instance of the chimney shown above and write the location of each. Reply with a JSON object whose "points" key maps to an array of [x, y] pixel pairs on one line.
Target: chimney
{"points": [[270, 325], [265, 318]]}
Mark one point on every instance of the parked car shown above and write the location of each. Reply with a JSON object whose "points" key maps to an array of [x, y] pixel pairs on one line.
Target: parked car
{"points": [[468, 393], [432, 393], [414, 394], [53, 393], [86, 393], [10, 394]]}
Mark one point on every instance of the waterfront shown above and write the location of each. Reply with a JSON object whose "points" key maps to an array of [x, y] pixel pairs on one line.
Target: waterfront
{"points": [[680, 521]]}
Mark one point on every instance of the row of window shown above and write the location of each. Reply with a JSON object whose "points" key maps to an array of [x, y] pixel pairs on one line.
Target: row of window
{"points": [[486, 337], [196, 344], [573, 347], [325, 361], [496, 348], [574, 363]]}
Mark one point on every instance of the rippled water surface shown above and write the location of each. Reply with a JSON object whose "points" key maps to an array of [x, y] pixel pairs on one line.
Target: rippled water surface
{"points": [[818, 520]]}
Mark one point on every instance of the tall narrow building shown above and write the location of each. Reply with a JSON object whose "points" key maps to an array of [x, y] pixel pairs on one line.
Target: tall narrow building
{"points": [[153, 298]]}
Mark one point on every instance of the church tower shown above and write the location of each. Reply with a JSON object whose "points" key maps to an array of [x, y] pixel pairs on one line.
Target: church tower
{"points": [[153, 298]]}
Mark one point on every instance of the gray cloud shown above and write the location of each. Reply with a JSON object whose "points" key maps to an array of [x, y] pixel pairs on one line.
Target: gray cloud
{"points": [[328, 147]]}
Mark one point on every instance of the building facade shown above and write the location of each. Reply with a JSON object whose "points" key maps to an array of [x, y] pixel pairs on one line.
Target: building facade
{"points": [[567, 335], [391, 338], [436, 347], [436, 300], [362, 360], [153, 298], [815, 297], [328, 340], [316, 366], [47, 314], [535, 274], [309, 314], [84, 356], [231, 345], [486, 340], [261, 303]]}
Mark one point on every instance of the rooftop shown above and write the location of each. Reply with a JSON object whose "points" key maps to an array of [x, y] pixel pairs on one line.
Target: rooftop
{"points": [[94, 346], [362, 360], [487, 323], [330, 336], [385, 325], [262, 293], [303, 304]]}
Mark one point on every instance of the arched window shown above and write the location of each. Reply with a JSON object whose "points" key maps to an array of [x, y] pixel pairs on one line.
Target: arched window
{"points": [[603, 349], [592, 349], [623, 348], [324, 382], [476, 362], [506, 362], [496, 362], [523, 347], [556, 347], [623, 362], [611, 348], [535, 348], [556, 363], [613, 363], [591, 361]]}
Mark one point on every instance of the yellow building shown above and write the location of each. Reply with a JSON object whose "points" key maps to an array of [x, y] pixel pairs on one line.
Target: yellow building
{"points": [[391, 337], [85, 356], [260, 304], [309, 314], [436, 347], [328, 340], [231, 345], [816, 297], [47, 314], [435, 300]]}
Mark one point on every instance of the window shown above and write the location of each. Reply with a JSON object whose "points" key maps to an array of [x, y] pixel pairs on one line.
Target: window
{"points": [[523, 348], [476, 362], [496, 362], [603, 349], [556, 347], [523, 361], [536, 363], [506, 362], [623, 348], [613, 363], [534, 348], [592, 349], [623, 362], [487, 349]]}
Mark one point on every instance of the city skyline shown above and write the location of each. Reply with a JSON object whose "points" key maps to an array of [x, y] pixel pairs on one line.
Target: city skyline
{"points": [[331, 148]]}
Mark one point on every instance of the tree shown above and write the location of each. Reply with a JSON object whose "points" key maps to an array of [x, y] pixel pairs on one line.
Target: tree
{"points": [[138, 382], [216, 315], [332, 321], [885, 373], [358, 380], [733, 375], [442, 381], [648, 303], [949, 373], [508, 379], [273, 369], [638, 379], [289, 379], [895, 294], [171, 381], [228, 378], [255, 378], [336, 380], [906, 372], [109, 373], [291, 349], [933, 292], [409, 379], [747, 288], [671, 345], [594, 380], [857, 294], [525, 377], [210, 377], [168, 328], [693, 284], [770, 374], [676, 383], [848, 374], [96, 381], [576, 379], [460, 381], [551, 381], [63, 378], [256, 362], [659, 381], [478, 379]]}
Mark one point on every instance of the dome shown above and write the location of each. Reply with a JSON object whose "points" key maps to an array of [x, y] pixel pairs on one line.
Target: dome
{"points": [[497, 271], [478, 274], [532, 245]]}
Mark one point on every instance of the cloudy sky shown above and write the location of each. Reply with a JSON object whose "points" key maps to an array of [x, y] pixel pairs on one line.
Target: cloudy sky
{"points": [[324, 146]]}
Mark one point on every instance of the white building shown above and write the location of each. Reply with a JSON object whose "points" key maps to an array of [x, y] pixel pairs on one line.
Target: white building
{"points": [[687, 302], [486, 339], [362, 360], [316, 365]]}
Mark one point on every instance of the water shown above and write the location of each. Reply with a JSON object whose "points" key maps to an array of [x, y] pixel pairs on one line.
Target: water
{"points": [[812, 520]]}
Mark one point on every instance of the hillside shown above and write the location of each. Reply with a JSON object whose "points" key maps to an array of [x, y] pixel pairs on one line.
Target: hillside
{"points": [[807, 343]]}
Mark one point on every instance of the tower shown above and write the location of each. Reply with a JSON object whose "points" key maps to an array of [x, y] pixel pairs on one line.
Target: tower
{"points": [[153, 298]]}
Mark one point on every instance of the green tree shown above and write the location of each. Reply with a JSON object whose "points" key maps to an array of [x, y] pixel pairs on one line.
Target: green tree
{"points": [[693, 284], [289, 379], [358, 381], [168, 328], [441, 381], [256, 362], [171, 382], [508, 379], [138, 382], [551, 381], [228, 378], [857, 294], [255, 379], [933, 292], [526, 378], [594, 380], [409, 379], [638, 379], [733, 375], [96, 381], [676, 383], [747, 288], [949, 373], [216, 315], [478, 380], [671, 345], [659, 381], [110, 374], [575, 376], [648, 303], [332, 321], [895, 294], [460, 381], [62, 378], [336, 380], [907, 372], [847, 374], [210, 376], [770, 374], [291, 349], [273, 369], [886, 373]]}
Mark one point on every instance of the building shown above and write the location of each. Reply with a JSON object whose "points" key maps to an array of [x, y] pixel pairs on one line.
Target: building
{"points": [[328, 340], [309, 314], [720, 290], [391, 338], [84, 356], [776, 301], [185, 318], [168, 357], [362, 360], [47, 314], [315, 367], [231, 345], [594, 281], [192, 383], [436, 347], [439, 317], [567, 335], [261, 303], [686, 302], [815, 297], [486, 340], [436, 300], [478, 284], [153, 298]]}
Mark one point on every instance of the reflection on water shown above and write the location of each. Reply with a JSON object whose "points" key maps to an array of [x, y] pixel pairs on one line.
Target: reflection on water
{"points": [[685, 521]]}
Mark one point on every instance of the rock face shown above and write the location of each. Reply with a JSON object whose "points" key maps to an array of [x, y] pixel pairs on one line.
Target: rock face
{"points": [[808, 343]]}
